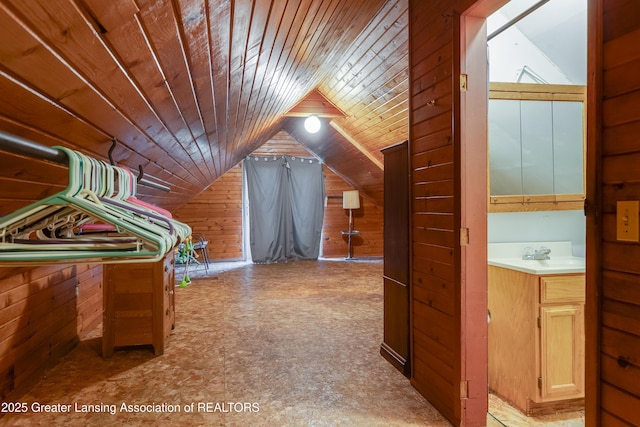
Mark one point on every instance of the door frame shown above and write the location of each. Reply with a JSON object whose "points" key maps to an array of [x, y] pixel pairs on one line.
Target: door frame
{"points": [[472, 131], [471, 89]]}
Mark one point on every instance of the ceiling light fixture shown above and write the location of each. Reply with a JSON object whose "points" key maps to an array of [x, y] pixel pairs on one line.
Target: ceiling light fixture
{"points": [[312, 124]]}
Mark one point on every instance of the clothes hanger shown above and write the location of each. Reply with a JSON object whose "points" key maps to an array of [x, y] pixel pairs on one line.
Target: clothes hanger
{"points": [[182, 229], [126, 189], [61, 199], [123, 200], [95, 177], [102, 184], [66, 228], [98, 181], [80, 203]]}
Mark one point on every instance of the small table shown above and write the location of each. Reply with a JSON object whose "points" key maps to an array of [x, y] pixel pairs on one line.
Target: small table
{"points": [[349, 234]]}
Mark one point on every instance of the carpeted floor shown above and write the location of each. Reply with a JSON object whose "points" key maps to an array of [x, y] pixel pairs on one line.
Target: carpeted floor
{"points": [[293, 344]]}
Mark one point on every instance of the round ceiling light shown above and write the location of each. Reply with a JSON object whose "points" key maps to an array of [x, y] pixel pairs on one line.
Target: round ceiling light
{"points": [[312, 124]]}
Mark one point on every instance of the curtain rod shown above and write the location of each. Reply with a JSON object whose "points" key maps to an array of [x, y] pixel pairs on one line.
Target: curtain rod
{"points": [[23, 146], [518, 18]]}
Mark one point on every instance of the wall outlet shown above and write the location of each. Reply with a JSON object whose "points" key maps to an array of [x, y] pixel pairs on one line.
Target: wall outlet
{"points": [[628, 221]]}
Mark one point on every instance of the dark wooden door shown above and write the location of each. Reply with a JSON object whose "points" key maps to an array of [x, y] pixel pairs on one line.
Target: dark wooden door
{"points": [[395, 347]]}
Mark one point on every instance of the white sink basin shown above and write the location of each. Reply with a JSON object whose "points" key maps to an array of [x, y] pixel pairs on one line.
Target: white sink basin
{"points": [[558, 265]]}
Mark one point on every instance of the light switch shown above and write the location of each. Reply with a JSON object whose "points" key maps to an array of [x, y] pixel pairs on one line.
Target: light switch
{"points": [[628, 221]]}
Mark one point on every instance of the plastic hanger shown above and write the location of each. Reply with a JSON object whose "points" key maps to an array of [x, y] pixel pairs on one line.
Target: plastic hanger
{"points": [[122, 201], [102, 184], [149, 246], [135, 239], [95, 186]]}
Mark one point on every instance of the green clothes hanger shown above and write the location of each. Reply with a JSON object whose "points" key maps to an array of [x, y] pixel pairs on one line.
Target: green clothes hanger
{"points": [[45, 232]]}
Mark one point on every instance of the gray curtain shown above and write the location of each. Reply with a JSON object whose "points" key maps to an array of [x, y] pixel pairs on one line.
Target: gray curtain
{"points": [[286, 207]]}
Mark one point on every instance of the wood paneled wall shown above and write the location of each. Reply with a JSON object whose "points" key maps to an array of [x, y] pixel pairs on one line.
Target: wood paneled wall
{"points": [[190, 87], [448, 209], [435, 318], [217, 212], [89, 299], [368, 220], [619, 385], [43, 312], [25, 180]]}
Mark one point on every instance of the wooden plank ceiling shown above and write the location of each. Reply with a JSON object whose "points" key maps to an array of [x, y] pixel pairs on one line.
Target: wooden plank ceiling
{"points": [[191, 87]]}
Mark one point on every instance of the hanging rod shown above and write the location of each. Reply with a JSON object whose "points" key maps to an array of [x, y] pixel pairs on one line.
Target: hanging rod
{"points": [[18, 145], [518, 18]]}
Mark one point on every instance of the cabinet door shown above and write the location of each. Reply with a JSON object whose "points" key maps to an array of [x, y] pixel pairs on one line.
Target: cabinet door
{"points": [[562, 351]]}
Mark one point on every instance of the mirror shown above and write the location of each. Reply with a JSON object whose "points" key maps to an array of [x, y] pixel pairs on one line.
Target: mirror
{"points": [[536, 147]]}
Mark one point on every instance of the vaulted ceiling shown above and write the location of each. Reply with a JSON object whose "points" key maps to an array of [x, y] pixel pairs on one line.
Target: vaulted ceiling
{"points": [[190, 87]]}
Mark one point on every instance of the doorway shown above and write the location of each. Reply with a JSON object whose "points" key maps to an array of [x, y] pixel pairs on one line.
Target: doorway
{"points": [[474, 109]]}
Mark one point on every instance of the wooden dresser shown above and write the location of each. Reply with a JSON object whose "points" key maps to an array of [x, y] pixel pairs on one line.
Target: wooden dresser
{"points": [[395, 346], [139, 304]]}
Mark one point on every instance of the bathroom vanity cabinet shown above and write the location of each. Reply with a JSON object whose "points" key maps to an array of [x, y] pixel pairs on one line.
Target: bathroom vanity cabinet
{"points": [[536, 339]]}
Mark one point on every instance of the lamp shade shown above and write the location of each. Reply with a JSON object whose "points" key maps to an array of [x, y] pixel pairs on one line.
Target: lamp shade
{"points": [[351, 199]]}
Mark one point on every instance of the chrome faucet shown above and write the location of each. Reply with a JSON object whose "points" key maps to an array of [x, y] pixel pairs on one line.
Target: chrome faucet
{"points": [[542, 253]]}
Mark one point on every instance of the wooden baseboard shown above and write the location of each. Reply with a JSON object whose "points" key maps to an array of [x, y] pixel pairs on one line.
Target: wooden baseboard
{"points": [[545, 408], [399, 362]]}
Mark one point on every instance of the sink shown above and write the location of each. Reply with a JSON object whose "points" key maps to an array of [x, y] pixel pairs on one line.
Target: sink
{"points": [[509, 255], [558, 265]]}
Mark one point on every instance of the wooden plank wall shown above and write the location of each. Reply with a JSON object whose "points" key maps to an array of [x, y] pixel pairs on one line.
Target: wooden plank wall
{"points": [[43, 312], [25, 180], [41, 315], [620, 180], [431, 124], [217, 212], [435, 207], [368, 220], [89, 302]]}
